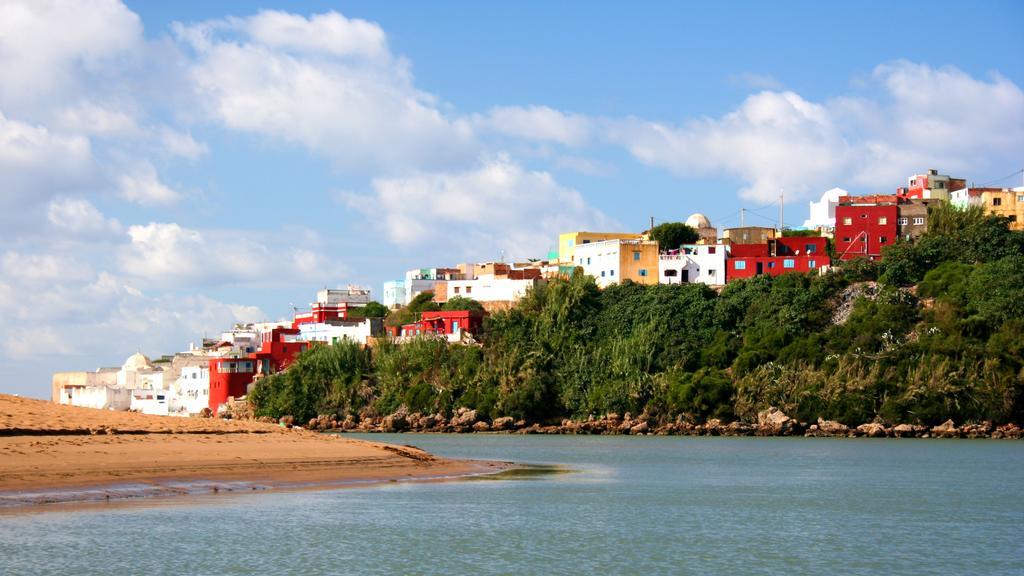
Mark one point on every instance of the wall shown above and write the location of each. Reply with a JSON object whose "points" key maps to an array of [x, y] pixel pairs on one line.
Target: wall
{"points": [[1010, 205], [702, 263], [570, 241], [486, 289], [864, 235], [748, 235], [356, 330]]}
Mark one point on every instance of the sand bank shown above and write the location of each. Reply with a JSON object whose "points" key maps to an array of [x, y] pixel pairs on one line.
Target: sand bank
{"points": [[61, 453]]}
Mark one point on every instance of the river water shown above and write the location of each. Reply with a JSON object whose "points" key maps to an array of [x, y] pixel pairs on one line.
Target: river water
{"points": [[610, 505]]}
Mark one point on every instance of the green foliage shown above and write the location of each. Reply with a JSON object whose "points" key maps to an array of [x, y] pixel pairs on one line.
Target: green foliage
{"points": [[672, 235], [371, 310], [462, 303], [568, 349]]}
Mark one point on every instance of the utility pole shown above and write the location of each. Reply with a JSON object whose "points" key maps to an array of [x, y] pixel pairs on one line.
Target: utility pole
{"points": [[781, 204], [652, 225], [742, 210]]}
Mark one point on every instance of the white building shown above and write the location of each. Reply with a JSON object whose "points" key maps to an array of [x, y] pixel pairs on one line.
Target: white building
{"points": [[487, 289], [100, 396], [334, 331], [149, 401], [351, 296], [699, 222], [393, 295], [190, 392], [139, 373], [696, 263], [823, 212], [420, 280]]}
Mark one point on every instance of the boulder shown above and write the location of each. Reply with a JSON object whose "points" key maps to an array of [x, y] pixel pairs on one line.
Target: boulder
{"points": [[287, 421], [739, 429], [481, 427], [394, 423], [946, 430], [503, 423], [641, 428], [903, 431], [464, 417], [774, 422], [832, 428], [872, 430]]}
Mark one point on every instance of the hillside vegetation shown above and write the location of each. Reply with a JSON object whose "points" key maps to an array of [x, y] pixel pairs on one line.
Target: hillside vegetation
{"points": [[933, 332]]}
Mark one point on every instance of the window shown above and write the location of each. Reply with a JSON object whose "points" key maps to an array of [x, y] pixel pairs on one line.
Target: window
{"points": [[864, 215], [711, 249], [611, 272], [602, 273], [469, 289], [643, 271], [1013, 217], [771, 264], [811, 264], [918, 221], [997, 201], [456, 289], [847, 221], [789, 263], [455, 325], [588, 260], [882, 239], [902, 221], [811, 248], [741, 265], [940, 184], [882, 220], [1020, 197], [571, 243], [846, 238], [672, 273], [586, 241], [711, 272], [636, 256]]}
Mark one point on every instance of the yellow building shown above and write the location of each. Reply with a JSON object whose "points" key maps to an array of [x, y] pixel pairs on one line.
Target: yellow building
{"points": [[748, 235], [617, 260], [1005, 202], [568, 242]]}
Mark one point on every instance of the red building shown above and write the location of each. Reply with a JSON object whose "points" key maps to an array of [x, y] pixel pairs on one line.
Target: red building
{"points": [[778, 256], [865, 225], [443, 322], [230, 376]]}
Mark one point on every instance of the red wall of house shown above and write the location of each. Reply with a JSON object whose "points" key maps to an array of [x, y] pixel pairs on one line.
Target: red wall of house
{"points": [[864, 236], [225, 384], [773, 265]]}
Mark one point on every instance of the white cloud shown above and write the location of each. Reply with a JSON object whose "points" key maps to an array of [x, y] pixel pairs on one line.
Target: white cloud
{"points": [[144, 187], [921, 118], [497, 207], [46, 44], [80, 218], [36, 163], [538, 123], [181, 144], [97, 120], [343, 96]]}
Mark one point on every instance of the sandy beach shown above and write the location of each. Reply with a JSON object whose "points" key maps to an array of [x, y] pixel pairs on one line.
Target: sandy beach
{"points": [[52, 453]]}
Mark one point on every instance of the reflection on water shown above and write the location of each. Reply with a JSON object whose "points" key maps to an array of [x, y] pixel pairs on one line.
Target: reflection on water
{"points": [[610, 505]]}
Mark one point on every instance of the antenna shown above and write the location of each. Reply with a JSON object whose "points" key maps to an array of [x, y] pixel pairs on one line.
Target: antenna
{"points": [[781, 204]]}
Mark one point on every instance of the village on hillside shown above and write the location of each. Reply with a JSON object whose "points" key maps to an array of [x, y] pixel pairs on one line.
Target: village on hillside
{"points": [[206, 378]]}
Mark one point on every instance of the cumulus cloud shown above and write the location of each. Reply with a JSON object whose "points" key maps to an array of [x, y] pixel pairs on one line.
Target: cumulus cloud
{"points": [[539, 123], [35, 162], [47, 45], [921, 117], [144, 187], [499, 206], [327, 83], [78, 217]]}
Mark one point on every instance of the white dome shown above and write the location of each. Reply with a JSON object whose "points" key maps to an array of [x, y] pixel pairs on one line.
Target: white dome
{"points": [[698, 221], [138, 361]]}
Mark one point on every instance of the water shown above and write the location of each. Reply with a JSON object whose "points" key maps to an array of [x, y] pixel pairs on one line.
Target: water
{"points": [[654, 505]]}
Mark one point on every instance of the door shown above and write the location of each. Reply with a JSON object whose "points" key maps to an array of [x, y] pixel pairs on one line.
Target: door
{"points": [[760, 268]]}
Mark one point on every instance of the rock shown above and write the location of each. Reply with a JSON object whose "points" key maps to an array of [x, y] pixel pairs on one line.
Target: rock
{"points": [[832, 428], [641, 428], [712, 427], [313, 423], [503, 423], [464, 417], [266, 420], [206, 413], [903, 431], [774, 422], [394, 423], [872, 430], [481, 427], [946, 430], [739, 429], [287, 421]]}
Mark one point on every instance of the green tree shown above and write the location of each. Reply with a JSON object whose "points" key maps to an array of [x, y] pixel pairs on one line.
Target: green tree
{"points": [[672, 235], [462, 303]]}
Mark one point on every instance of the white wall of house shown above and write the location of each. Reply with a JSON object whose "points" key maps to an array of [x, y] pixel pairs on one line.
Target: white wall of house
{"points": [[357, 331], [490, 289], [695, 263], [393, 294], [154, 402], [191, 392], [823, 212], [100, 397], [962, 198], [600, 260]]}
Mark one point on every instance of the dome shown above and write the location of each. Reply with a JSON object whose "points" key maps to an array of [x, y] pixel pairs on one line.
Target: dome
{"points": [[138, 361], [698, 221]]}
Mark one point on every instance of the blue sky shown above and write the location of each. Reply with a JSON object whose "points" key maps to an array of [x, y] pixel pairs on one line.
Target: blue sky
{"points": [[171, 168]]}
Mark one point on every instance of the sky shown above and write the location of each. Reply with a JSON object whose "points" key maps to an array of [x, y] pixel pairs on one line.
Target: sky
{"points": [[168, 169]]}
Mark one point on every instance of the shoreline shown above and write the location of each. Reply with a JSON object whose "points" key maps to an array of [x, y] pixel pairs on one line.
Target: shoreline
{"points": [[52, 453]]}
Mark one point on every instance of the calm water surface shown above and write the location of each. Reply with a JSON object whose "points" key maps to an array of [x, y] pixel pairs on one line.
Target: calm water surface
{"points": [[657, 505]]}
